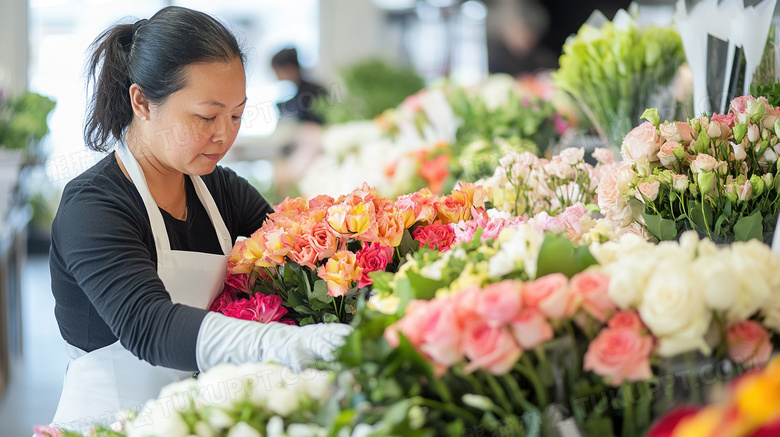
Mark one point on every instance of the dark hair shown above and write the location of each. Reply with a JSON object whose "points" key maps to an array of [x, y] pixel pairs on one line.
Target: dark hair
{"points": [[152, 53], [286, 57]]}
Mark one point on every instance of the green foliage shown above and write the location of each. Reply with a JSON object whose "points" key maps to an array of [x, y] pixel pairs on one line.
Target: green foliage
{"points": [[371, 87], [23, 119], [769, 90]]}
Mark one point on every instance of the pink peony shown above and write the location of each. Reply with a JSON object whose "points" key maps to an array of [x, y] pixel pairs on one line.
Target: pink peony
{"points": [[499, 303], [748, 341], [493, 349], [626, 320], [550, 294], [435, 236], [642, 142], [590, 289], [530, 328], [619, 355], [259, 307], [373, 257]]}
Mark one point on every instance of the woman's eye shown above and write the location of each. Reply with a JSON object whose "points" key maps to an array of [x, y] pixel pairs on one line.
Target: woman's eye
{"points": [[238, 117], [207, 118]]}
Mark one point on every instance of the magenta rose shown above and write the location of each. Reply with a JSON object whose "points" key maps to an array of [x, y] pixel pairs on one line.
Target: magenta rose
{"points": [[227, 296], [259, 308], [435, 236], [373, 257], [241, 282], [620, 355], [493, 349], [748, 341]]}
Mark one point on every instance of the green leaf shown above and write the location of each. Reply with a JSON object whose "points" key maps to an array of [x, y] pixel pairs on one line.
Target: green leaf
{"points": [[663, 229], [702, 220], [407, 244], [651, 115], [381, 281], [405, 294], [330, 318], [558, 255], [719, 224], [424, 288], [321, 291], [592, 207], [749, 227]]}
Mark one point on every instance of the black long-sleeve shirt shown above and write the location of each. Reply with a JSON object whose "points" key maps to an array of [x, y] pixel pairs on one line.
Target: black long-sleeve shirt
{"points": [[104, 264]]}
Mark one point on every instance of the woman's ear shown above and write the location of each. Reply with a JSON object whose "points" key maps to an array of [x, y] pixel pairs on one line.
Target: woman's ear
{"points": [[139, 102]]}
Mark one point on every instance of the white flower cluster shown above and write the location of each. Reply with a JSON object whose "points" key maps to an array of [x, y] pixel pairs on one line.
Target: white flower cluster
{"points": [[520, 247], [217, 397], [679, 287]]}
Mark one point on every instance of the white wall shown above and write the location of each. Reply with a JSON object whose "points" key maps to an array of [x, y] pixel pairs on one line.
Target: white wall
{"points": [[13, 45], [351, 30]]}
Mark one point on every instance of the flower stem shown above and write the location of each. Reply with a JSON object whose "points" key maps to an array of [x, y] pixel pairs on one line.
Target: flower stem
{"points": [[541, 393], [499, 392]]}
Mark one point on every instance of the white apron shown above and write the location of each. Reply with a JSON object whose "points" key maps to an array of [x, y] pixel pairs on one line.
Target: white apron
{"points": [[102, 382]]}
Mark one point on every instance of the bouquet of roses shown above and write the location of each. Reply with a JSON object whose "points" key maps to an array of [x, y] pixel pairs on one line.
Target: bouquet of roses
{"points": [[314, 257], [714, 174]]}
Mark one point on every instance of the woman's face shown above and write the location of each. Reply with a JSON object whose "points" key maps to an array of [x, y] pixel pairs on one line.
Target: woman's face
{"points": [[196, 126]]}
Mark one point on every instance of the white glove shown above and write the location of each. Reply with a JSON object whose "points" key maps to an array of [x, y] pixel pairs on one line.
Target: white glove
{"points": [[223, 339]]}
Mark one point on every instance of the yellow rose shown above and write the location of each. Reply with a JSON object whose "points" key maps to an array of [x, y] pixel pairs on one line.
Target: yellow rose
{"points": [[340, 272]]}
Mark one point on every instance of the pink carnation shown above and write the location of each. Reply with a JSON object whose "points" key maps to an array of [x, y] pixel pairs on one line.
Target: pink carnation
{"points": [[259, 307]]}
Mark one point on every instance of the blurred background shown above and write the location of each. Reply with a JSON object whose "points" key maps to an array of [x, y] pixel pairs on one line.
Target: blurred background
{"points": [[357, 59]]}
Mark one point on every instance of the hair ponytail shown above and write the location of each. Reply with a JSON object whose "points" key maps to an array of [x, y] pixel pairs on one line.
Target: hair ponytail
{"points": [[109, 111], [152, 53]]}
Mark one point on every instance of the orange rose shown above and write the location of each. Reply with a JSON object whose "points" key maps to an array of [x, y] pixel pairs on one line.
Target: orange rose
{"points": [[453, 208], [340, 272], [390, 228]]}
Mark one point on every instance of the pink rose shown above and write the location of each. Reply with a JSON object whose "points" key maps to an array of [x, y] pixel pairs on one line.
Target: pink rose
{"points": [[745, 191], [648, 191], [466, 304], [685, 130], [748, 341], [323, 240], [373, 257], [703, 162], [610, 195], [571, 218], [323, 201], [550, 294], [435, 236], [666, 154], [340, 272], [530, 328], [243, 283], [410, 325], [642, 142], [591, 290], [464, 231], [626, 320], [739, 106], [728, 119], [303, 253], [222, 301], [619, 355], [442, 334], [500, 302], [603, 155], [493, 349], [542, 222]]}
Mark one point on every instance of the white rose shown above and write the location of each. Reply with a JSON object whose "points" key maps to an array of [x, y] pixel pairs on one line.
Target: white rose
{"points": [[627, 279], [739, 151], [717, 281], [317, 383], [242, 429], [754, 289], [642, 141], [222, 385], [670, 301], [703, 162], [669, 132], [156, 419], [688, 339]]}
